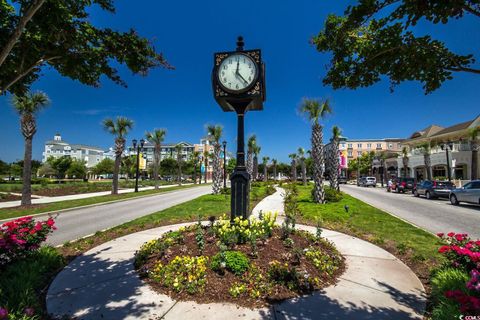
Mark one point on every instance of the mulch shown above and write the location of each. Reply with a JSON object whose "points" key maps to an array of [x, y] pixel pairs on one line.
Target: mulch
{"points": [[217, 286]]}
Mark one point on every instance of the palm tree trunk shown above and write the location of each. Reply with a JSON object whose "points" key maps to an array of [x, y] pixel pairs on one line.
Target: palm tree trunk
{"points": [[217, 177], [474, 167], [27, 173], [304, 172], [265, 173], [405, 167], [195, 173], [294, 171], [335, 166], [156, 165], [274, 173], [250, 164], [116, 169], [426, 158], [318, 162], [255, 168], [206, 169]]}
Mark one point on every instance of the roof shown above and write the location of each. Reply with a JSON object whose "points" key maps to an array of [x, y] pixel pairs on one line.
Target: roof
{"points": [[456, 127], [374, 140], [427, 132], [83, 146], [60, 142]]}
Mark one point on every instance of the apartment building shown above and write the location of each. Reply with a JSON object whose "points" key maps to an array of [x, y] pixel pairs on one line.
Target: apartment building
{"points": [[57, 148]]}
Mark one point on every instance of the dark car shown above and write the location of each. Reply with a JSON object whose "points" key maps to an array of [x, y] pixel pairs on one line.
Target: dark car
{"points": [[401, 185], [342, 180], [433, 189]]}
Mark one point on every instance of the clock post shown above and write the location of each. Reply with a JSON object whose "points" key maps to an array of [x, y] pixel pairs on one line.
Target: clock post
{"points": [[238, 81]]}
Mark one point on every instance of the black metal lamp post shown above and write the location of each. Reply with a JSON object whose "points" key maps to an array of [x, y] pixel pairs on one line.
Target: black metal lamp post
{"points": [[238, 83], [138, 148], [445, 147], [382, 170], [224, 164]]}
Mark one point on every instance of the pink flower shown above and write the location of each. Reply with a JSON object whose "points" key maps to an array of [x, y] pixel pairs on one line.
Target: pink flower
{"points": [[440, 234], [444, 249], [38, 226], [29, 312], [50, 222], [451, 234], [3, 313], [459, 237]]}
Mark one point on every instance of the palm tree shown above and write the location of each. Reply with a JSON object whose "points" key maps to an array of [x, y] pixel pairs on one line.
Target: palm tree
{"points": [[301, 157], [256, 152], [216, 133], [195, 158], [178, 151], [426, 148], [405, 161], [293, 156], [274, 165], [265, 168], [156, 138], [315, 110], [473, 135], [334, 160], [252, 141], [27, 106], [206, 156], [119, 128]]}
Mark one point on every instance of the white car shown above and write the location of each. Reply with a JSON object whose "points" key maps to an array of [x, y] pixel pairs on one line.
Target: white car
{"points": [[468, 193], [368, 181]]}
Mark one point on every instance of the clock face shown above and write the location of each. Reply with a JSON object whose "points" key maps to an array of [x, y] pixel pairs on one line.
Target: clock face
{"points": [[237, 72]]}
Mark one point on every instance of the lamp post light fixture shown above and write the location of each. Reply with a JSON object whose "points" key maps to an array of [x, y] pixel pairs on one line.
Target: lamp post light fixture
{"points": [[445, 147], [224, 143], [138, 148]]}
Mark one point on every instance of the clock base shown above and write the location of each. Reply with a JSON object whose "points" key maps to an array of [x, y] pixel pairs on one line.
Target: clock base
{"points": [[240, 195]]}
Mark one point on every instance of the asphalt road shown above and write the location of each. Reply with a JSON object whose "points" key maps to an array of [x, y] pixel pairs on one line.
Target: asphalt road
{"points": [[82, 222], [433, 215]]}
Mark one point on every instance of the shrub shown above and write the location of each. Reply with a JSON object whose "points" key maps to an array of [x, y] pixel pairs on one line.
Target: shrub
{"points": [[182, 273], [157, 246], [460, 280], [20, 237], [332, 195], [324, 262], [234, 261], [22, 281], [448, 279], [293, 279], [240, 230]]}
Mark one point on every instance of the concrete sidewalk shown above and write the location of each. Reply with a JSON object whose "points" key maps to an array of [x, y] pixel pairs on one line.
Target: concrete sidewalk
{"points": [[102, 284], [42, 200]]}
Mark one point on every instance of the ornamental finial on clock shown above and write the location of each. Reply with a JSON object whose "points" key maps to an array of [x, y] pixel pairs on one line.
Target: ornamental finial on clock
{"points": [[240, 43]]}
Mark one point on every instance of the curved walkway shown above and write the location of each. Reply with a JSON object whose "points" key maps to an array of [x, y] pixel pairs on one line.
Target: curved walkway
{"points": [[102, 284]]}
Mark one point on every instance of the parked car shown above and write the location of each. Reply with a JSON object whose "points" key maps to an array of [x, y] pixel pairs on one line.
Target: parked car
{"points": [[401, 185], [468, 193], [433, 189], [342, 180], [368, 182]]}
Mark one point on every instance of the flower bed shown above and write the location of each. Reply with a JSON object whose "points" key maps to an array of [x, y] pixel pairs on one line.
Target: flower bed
{"points": [[456, 285], [248, 262]]}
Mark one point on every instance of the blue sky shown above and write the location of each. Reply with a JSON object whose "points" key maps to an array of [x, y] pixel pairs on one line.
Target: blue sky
{"points": [[180, 100]]}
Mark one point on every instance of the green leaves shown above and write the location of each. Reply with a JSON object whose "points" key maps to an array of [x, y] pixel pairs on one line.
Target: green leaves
{"points": [[60, 35], [365, 48]]}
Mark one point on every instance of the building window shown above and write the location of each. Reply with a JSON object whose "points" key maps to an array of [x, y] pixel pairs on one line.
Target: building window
{"points": [[342, 145], [390, 146], [379, 145], [359, 153], [359, 145], [369, 145], [399, 145], [350, 145], [350, 153]]}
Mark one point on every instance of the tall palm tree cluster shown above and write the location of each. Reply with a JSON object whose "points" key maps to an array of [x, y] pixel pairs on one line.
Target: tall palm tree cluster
{"points": [[334, 158], [156, 137], [316, 110]]}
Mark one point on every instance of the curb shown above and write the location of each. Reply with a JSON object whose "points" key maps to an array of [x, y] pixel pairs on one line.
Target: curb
{"points": [[57, 212]]}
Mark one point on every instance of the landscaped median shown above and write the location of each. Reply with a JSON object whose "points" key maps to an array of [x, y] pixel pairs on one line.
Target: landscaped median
{"points": [[10, 213], [452, 283], [24, 280]]}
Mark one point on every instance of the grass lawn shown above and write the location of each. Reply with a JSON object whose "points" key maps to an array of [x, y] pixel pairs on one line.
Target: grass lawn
{"points": [[25, 282], [7, 213], [415, 247]]}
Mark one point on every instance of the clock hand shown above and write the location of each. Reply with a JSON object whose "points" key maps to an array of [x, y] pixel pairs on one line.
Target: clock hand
{"points": [[242, 78], [238, 66]]}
